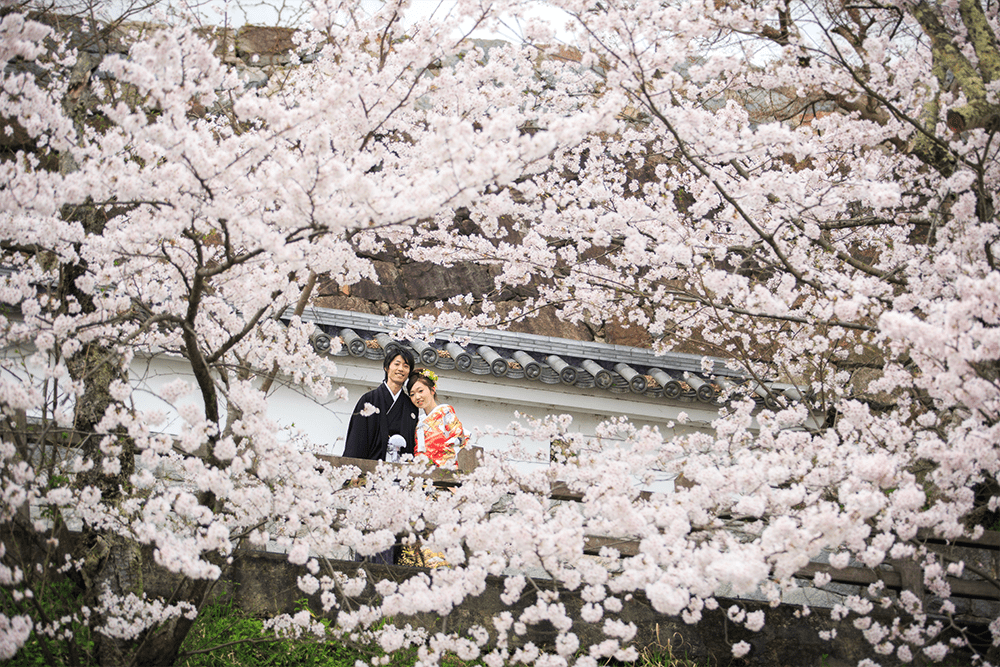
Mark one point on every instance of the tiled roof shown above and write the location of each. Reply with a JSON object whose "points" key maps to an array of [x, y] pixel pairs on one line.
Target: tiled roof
{"points": [[504, 354]]}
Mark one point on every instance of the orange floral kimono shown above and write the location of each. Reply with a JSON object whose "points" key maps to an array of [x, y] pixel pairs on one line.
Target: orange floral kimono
{"points": [[440, 435]]}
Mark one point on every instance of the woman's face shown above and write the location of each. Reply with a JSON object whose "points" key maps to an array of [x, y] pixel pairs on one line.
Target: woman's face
{"points": [[422, 396]]}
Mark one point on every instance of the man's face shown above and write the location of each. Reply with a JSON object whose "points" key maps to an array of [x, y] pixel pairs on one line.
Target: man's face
{"points": [[398, 371]]}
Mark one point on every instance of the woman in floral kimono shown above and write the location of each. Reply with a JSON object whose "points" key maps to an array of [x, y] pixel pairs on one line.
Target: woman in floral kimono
{"points": [[439, 432]]}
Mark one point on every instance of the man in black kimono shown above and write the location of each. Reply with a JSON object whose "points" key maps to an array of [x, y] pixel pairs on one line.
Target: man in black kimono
{"points": [[368, 432]]}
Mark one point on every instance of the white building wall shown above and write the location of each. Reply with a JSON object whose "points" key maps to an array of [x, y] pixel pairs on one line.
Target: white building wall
{"points": [[485, 405], [482, 403]]}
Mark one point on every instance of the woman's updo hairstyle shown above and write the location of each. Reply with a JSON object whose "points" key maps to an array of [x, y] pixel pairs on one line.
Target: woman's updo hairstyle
{"points": [[425, 375]]}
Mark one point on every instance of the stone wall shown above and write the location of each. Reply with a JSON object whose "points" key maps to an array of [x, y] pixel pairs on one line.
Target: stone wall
{"points": [[265, 583]]}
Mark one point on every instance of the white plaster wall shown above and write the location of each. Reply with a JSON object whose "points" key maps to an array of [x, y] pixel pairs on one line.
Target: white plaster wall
{"points": [[482, 402], [485, 405]]}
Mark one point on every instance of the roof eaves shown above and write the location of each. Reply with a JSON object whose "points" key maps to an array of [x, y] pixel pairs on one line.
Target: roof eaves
{"points": [[528, 342], [506, 354]]}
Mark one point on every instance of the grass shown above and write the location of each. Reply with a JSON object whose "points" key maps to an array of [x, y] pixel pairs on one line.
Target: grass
{"points": [[666, 655], [225, 636], [231, 638]]}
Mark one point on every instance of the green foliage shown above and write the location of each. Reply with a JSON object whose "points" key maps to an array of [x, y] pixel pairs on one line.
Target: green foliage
{"points": [[59, 637], [231, 638], [224, 636]]}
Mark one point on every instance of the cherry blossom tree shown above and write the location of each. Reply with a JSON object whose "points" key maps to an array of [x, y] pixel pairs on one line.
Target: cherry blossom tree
{"points": [[804, 189], [155, 205]]}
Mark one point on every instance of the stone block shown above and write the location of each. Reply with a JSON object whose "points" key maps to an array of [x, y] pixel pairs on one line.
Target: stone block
{"points": [[264, 46], [223, 38]]}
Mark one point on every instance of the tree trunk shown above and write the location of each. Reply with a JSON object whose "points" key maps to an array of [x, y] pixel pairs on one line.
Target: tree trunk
{"points": [[112, 562]]}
